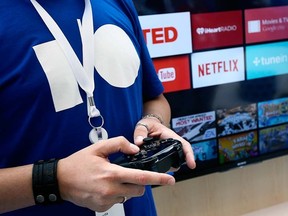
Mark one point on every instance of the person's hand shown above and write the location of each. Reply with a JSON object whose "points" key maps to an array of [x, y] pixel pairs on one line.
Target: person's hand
{"points": [[88, 179], [153, 128]]}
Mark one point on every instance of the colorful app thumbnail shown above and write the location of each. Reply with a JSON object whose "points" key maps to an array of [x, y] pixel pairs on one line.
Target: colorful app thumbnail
{"points": [[273, 139], [206, 150], [236, 120], [195, 127], [273, 112], [238, 147]]}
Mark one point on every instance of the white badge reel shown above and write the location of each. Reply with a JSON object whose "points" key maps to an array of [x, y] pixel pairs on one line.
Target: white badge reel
{"points": [[97, 134], [116, 210]]}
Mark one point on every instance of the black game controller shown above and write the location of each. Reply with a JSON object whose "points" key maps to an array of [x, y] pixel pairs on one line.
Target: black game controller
{"points": [[158, 155]]}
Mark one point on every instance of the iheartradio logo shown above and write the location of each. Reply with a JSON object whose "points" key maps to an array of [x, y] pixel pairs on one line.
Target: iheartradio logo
{"points": [[219, 29], [200, 31], [167, 74]]}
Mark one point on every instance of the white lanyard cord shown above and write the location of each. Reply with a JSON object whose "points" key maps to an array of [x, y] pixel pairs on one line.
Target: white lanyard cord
{"points": [[83, 74]]}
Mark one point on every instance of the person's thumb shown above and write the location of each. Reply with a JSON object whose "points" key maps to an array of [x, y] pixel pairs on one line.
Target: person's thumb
{"points": [[118, 144]]}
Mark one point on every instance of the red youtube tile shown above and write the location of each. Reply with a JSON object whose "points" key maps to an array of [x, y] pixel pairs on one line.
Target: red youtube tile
{"points": [[174, 72]]}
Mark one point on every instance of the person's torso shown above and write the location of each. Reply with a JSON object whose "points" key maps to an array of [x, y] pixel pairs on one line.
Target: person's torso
{"points": [[43, 111]]}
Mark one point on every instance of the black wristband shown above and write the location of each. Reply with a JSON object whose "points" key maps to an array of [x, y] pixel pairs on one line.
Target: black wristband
{"points": [[44, 182]]}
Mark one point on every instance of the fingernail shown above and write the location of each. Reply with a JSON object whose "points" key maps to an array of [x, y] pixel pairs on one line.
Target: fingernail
{"points": [[139, 139], [171, 181], [134, 147]]}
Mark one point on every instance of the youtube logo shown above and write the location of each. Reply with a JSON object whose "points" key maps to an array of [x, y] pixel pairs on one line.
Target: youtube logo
{"points": [[174, 72], [167, 34], [167, 74]]}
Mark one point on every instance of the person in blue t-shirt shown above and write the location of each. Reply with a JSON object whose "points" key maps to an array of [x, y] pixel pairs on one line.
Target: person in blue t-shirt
{"points": [[77, 90]]}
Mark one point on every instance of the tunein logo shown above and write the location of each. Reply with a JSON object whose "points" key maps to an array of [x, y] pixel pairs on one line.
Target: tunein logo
{"points": [[256, 61], [254, 26]]}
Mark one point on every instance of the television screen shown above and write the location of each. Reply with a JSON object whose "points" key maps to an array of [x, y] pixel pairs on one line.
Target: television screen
{"points": [[224, 67]]}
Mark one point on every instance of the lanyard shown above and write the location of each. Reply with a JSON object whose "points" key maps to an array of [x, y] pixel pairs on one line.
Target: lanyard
{"points": [[84, 74]]}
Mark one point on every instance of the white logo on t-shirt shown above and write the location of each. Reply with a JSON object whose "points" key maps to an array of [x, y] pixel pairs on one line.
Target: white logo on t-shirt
{"points": [[116, 61]]}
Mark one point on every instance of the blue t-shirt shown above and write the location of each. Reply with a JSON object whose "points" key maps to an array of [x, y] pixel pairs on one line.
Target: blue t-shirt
{"points": [[43, 112]]}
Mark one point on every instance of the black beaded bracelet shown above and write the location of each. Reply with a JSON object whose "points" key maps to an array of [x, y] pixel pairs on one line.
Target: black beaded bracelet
{"points": [[44, 182]]}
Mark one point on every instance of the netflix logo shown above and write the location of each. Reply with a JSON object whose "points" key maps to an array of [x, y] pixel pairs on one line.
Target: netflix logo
{"points": [[174, 72], [217, 67], [167, 34]]}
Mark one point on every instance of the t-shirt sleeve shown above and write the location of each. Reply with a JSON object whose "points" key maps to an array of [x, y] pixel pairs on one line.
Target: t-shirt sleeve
{"points": [[152, 86]]}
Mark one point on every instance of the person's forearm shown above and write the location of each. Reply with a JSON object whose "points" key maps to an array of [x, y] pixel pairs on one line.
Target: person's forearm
{"points": [[160, 107], [16, 188]]}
